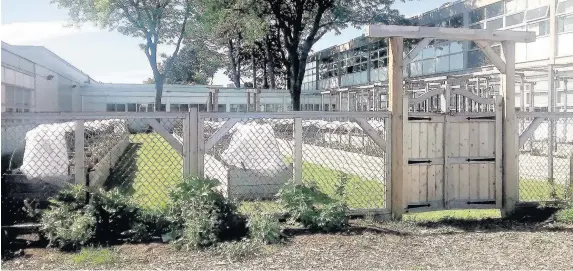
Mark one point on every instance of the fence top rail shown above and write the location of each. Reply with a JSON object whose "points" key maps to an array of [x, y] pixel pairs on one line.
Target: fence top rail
{"points": [[92, 115], [552, 115], [295, 114]]}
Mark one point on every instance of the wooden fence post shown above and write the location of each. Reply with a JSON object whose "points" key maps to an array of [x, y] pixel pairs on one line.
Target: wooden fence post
{"points": [[298, 150], [396, 106], [80, 156]]}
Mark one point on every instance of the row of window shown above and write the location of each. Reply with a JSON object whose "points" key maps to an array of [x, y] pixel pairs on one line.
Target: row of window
{"points": [[16, 99]]}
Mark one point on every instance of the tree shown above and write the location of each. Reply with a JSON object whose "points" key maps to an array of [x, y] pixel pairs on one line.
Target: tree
{"points": [[302, 23], [233, 25], [156, 21], [196, 64]]}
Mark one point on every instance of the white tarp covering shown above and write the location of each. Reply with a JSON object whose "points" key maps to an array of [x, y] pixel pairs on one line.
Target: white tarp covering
{"points": [[47, 150], [46, 153], [254, 146]]}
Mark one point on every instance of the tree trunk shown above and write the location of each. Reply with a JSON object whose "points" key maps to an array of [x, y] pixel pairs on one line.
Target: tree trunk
{"points": [[235, 65], [158, 93], [295, 84], [254, 68], [265, 76], [270, 64]]}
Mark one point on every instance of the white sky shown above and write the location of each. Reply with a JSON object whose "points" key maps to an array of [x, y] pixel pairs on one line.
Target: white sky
{"points": [[109, 56]]}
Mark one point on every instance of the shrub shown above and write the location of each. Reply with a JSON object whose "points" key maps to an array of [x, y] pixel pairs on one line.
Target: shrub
{"points": [[314, 209], [264, 228], [71, 221], [238, 250], [201, 215]]}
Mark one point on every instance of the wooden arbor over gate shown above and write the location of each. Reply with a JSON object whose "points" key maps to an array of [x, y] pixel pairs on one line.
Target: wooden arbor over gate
{"points": [[505, 64]]}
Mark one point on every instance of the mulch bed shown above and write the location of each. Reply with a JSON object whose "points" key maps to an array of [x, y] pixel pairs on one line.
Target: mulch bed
{"points": [[394, 245]]}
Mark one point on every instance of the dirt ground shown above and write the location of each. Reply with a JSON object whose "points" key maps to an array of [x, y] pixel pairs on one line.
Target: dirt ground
{"points": [[430, 245]]}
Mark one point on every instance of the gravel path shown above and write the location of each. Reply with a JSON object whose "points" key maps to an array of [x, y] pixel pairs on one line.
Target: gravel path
{"points": [[417, 248]]}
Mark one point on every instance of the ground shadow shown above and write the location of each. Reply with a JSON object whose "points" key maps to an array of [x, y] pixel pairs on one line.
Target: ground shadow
{"points": [[122, 175]]}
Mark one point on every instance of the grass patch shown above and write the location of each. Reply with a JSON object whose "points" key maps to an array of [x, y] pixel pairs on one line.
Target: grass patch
{"points": [[95, 257], [453, 214], [360, 193], [150, 167], [565, 215], [540, 190], [147, 170]]}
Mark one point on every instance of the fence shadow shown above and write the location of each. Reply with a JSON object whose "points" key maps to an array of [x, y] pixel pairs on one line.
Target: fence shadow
{"points": [[123, 174]]}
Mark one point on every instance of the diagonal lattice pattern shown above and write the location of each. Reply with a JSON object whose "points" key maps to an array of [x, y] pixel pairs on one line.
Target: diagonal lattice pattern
{"points": [[39, 158], [253, 158], [546, 160]]}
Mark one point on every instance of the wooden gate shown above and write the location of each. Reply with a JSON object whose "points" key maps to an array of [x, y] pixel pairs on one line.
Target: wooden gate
{"points": [[453, 147]]}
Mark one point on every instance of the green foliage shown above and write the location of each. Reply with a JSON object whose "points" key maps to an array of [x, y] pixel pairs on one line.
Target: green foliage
{"points": [[264, 228], [94, 257], [239, 250], [201, 216], [565, 215], [314, 209], [72, 222], [196, 63]]}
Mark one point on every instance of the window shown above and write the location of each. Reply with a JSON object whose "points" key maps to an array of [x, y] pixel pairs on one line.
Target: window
{"points": [[477, 15], [513, 6], [493, 10], [495, 24], [540, 28], [476, 59], [115, 107], [565, 24], [456, 62], [537, 13], [564, 6], [443, 64], [514, 19], [131, 107]]}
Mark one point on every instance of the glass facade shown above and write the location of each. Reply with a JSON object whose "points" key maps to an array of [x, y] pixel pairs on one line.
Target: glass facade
{"points": [[365, 61]]}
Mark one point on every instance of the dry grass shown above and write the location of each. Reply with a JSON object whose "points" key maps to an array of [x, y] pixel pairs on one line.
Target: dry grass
{"points": [[453, 244]]}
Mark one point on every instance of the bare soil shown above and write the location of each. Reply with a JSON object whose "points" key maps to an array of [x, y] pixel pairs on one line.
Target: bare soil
{"points": [[485, 244]]}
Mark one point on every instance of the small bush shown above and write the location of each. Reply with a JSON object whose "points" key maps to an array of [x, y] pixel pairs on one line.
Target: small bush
{"points": [[265, 229], [109, 217], [201, 216], [69, 223], [239, 250], [314, 209]]}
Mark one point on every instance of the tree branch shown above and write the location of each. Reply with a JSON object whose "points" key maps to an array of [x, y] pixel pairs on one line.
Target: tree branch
{"points": [[181, 35]]}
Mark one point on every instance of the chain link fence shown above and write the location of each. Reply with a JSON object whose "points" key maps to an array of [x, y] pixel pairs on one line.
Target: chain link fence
{"points": [[143, 155], [255, 156], [545, 157], [42, 153]]}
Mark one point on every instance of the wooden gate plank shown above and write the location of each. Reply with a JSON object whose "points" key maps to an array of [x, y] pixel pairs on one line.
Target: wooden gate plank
{"points": [[474, 168], [484, 150], [423, 153], [464, 173], [415, 153]]}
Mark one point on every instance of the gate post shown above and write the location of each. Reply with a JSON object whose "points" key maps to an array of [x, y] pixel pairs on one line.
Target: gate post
{"points": [[396, 107], [510, 133]]}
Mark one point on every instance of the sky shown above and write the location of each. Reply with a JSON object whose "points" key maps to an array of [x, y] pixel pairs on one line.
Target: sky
{"points": [[111, 57]]}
